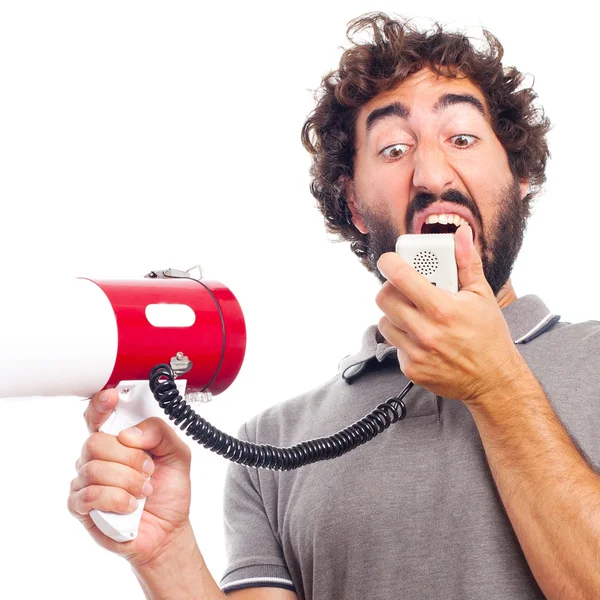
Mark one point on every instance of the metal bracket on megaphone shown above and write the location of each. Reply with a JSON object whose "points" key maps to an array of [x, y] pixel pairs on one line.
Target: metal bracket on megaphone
{"points": [[175, 274]]}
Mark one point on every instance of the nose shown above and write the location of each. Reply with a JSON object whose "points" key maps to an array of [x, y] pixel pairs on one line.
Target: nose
{"points": [[433, 173]]}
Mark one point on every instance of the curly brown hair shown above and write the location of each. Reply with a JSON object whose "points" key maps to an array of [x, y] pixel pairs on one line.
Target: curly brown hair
{"points": [[398, 50]]}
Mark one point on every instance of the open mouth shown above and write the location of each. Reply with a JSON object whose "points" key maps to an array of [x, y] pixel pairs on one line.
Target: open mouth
{"points": [[441, 223], [438, 228]]}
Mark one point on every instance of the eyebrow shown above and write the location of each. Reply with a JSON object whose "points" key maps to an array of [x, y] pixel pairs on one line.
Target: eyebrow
{"points": [[397, 109]]}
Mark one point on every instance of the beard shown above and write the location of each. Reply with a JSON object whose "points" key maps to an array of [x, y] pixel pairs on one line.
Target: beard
{"points": [[499, 244]]}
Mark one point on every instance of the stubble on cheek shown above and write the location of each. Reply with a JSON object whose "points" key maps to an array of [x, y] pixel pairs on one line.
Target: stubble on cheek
{"points": [[381, 237]]}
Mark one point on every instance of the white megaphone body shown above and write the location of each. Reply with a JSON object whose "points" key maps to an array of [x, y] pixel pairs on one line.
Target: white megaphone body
{"points": [[82, 336]]}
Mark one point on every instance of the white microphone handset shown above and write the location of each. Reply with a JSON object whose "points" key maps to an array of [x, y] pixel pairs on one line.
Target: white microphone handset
{"points": [[432, 255]]}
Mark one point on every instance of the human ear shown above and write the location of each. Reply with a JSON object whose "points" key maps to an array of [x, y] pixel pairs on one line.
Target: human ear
{"points": [[524, 186], [352, 200]]}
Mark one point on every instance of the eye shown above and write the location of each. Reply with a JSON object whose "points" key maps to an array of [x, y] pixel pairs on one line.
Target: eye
{"points": [[463, 140], [395, 151]]}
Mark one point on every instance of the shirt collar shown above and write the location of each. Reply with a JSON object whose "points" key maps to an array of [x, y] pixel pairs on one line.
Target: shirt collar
{"points": [[527, 317]]}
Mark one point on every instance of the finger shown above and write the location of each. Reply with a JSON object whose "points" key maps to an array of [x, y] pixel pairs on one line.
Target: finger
{"points": [[399, 309], [104, 498], [98, 472], [406, 347], [401, 338], [468, 261], [160, 439], [106, 447], [416, 287], [97, 535], [99, 409]]}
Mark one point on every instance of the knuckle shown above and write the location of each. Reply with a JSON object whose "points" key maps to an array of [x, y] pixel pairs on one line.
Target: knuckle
{"points": [[71, 505], [90, 495], [101, 498], [91, 472], [427, 339], [420, 358], [441, 314], [153, 424], [156, 425], [382, 295], [92, 444], [424, 339]]}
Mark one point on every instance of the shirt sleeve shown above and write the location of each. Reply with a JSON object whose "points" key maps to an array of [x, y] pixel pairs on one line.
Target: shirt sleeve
{"points": [[254, 554]]}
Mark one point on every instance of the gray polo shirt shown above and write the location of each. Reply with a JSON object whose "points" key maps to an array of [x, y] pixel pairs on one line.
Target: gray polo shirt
{"points": [[413, 513]]}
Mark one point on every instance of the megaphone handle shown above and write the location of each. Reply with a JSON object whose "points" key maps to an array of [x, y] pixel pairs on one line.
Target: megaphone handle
{"points": [[136, 403]]}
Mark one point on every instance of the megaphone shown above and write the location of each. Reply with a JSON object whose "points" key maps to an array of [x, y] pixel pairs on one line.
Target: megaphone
{"points": [[86, 335], [139, 336]]}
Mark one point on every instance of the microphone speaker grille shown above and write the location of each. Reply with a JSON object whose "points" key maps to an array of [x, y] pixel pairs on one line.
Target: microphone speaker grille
{"points": [[426, 262]]}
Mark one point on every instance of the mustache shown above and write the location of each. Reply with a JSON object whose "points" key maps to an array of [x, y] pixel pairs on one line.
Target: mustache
{"points": [[423, 200]]}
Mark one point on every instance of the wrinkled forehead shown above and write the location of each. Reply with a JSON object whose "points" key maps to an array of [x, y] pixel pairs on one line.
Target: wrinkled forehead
{"points": [[420, 94]]}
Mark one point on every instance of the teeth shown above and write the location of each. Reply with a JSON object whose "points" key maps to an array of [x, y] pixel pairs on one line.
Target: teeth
{"points": [[446, 219]]}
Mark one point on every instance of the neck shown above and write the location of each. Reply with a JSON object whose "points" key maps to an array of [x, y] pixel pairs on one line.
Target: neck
{"points": [[506, 295]]}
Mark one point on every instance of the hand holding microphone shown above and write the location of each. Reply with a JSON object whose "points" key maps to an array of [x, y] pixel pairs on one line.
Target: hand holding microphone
{"points": [[443, 337]]}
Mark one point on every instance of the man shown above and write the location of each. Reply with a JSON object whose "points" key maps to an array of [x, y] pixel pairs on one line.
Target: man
{"points": [[488, 488]]}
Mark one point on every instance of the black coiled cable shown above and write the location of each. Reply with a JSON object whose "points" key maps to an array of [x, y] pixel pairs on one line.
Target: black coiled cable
{"points": [[263, 456]]}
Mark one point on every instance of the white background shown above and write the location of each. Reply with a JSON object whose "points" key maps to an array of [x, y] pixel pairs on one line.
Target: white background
{"points": [[146, 135]]}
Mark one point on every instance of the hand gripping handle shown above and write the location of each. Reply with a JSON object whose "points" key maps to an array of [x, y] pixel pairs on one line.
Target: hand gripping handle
{"points": [[136, 403]]}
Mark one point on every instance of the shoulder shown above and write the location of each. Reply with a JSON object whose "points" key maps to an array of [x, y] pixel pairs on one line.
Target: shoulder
{"points": [[285, 419], [585, 333], [566, 348]]}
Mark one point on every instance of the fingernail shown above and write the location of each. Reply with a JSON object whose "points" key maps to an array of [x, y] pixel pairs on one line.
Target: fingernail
{"points": [[148, 467], [103, 398], [134, 432], [147, 489], [133, 503]]}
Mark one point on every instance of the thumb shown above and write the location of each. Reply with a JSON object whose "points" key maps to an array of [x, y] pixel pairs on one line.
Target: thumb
{"points": [[99, 408], [468, 261], [160, 439]]}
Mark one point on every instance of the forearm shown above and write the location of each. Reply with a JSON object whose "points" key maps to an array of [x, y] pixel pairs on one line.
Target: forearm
{"points": [[179, 573], [551, 495]]}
